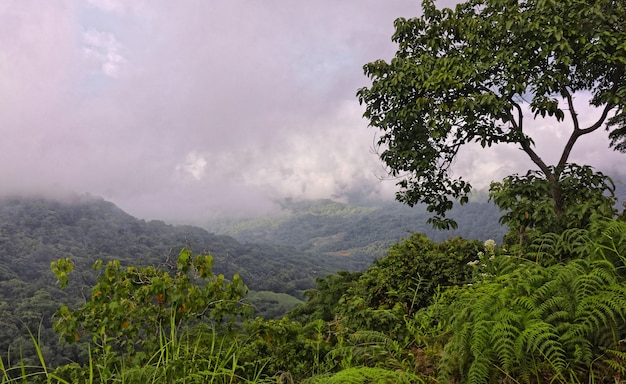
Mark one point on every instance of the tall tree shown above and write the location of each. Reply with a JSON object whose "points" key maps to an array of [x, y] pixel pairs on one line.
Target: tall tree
{"points": [[469, 74]]}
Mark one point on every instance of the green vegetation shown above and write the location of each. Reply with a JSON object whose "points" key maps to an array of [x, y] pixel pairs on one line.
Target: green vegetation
{"points": [[326, 227], [473, 74], [272, 305], [147, 302], [35, 232], [457, 311]]}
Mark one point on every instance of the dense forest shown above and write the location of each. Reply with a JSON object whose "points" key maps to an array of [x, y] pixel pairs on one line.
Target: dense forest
{"points": [[362, 231], [337, 293], [35, 232], [424, 310]]}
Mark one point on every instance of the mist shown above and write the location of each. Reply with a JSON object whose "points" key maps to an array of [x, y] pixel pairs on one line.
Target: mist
{"points": [[188, 110]]}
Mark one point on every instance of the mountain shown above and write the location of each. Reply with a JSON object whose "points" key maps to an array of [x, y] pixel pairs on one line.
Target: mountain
{"points": [[327, 227], [277, 258], [34, 232]]}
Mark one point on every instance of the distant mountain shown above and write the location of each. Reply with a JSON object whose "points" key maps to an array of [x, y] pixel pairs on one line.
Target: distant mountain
{"points": [[327, 227], [34, 232]]}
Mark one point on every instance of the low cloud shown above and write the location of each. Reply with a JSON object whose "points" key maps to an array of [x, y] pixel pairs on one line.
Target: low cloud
{"points": [[188, 110]]}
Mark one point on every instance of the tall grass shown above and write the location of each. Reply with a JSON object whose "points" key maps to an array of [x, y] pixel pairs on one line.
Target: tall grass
{"points": [[23, 373], [199, 355]]}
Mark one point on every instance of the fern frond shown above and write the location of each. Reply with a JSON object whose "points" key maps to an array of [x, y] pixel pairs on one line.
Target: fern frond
{"points": [[583, 350], [481, 336], [605, 270], [606, 309], [586, 286], [610, 241], [544, 244], [555, 304], [526, 302], [503, 339], [480, 370], [558, 316], [541, 337], [574, 243], [617, 362]]}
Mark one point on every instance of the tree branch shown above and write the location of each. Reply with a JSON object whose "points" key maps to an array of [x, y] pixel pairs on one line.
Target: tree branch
{"points": [[518, 126], [572, 111], [619, 72], [576, 133], [535, 158], [598, 124], [520, 115]]}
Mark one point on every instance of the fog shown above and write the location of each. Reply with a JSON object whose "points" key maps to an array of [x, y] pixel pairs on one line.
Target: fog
{"points": [[194, 109]]}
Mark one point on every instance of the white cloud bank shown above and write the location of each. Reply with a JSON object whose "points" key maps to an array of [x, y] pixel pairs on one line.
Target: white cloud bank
{"points": [[182, 110]]}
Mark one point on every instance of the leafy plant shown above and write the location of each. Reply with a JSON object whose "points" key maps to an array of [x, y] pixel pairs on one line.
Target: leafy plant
{"points": [[411, 273], [132, 309], [529, 205], [287, 347], [362, 375], [538, 324]]}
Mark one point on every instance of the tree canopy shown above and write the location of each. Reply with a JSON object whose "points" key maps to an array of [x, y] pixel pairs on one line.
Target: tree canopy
{"points": [[481, 73]]}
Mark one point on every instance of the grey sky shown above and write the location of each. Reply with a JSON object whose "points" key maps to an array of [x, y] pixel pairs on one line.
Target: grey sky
{"points": [[187, 109]]}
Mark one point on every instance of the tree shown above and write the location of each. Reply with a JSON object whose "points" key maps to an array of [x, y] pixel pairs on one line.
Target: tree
{"points": [[529, 205], [471, 74], [322, 301], [407, 279]]}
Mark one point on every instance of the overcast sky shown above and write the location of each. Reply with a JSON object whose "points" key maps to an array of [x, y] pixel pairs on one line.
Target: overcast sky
{"points": [[190, 109]]}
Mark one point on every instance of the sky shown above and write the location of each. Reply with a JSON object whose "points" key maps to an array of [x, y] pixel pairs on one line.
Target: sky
{"points": [[187, 110]]}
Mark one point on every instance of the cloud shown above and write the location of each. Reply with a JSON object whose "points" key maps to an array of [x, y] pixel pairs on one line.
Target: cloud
{"points": [[107, 5], [194, 165], [190, 109], [104, 48]]}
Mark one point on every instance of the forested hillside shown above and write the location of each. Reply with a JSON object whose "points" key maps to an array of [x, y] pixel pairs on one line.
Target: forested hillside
{"points": [[35, 232], [364, 232], [277, 256]]}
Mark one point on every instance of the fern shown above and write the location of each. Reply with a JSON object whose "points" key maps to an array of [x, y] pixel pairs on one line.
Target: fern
{"points": [[615, 359], [610, 242], [541, 338], [504, 333], [544, 247], [551, 248], [536, 321]]}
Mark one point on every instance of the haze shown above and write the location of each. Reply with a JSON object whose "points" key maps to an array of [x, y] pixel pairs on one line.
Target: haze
{"points": [[190, 109]]}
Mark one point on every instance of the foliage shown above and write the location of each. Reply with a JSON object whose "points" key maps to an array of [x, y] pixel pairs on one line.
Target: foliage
{"points": [[607, 239], [286, 346], [322, 302], [410, 274], [361, 375], [131, 308], [271, 305], [469, 75], [539, 323], [455, 311], [36, 231], [529, 203]]}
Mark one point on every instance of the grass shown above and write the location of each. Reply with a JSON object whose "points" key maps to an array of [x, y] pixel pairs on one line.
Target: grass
{"points": [[23, 373], [197, 356]]}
